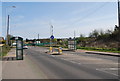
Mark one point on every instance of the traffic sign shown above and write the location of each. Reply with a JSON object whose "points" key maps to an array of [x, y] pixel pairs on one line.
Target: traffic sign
{"points": [[52, 37]]}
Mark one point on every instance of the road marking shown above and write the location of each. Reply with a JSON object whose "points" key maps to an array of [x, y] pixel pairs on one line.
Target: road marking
{"points": [[52, 56], [103, 70], [102, 63], [110, 68], [64, 59], [79, 63], [71, 61]]}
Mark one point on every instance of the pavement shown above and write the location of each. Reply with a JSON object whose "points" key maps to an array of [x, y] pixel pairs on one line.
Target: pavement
{"points": [[19, 69]]}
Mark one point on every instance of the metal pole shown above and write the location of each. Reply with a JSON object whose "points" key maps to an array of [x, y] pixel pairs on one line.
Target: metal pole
{"points": [[74, 41], [7, 40], [118, 14], [38, 36], [51, 34], [38, 41]]}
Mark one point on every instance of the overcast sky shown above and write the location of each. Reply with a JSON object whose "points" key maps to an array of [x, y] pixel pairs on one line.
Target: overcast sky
{"points": [[29, 19]]}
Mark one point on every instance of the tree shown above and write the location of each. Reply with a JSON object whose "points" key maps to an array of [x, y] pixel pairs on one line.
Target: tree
{"points": [[94, 33]]}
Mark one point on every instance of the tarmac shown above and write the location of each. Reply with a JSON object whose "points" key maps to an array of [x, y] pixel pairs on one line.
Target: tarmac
{"points": [[26, 68]]}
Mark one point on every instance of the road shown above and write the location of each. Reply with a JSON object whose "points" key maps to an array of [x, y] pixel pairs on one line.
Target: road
{"points": [[73, 65]]}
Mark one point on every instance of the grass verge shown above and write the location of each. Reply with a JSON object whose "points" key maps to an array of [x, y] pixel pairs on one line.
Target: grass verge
{"points": [[113, 50], [4, 50]]}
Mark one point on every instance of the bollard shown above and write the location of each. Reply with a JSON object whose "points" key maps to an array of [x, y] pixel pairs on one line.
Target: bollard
{"points": [[60, 50], [51, 50]]}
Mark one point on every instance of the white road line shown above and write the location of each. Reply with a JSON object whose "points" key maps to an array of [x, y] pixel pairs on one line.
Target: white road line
{"points": [[79, 63], [71, 61], [52, 56], [107, 72], [109, 68], [101, 63], [64, 59]]}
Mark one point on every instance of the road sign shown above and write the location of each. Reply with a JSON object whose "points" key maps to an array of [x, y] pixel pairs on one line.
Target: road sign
{"points": [[71, 44], [52, 37]]}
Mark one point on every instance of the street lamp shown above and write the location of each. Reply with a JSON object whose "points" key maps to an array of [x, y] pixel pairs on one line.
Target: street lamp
{"points": [[7, 24]]}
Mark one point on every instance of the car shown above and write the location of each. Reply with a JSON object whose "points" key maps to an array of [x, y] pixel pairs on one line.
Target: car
{"points": [[25, 47], [14, 44]]}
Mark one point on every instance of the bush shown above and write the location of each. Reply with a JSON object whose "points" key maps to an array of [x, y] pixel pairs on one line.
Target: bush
{"points": [[4, 50]]}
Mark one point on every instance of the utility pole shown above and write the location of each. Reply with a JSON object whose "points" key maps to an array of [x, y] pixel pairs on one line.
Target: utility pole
{"points": [[119, 14], [38, 41], [7, 40], [74, 40], [74, 34], [38, 36]]}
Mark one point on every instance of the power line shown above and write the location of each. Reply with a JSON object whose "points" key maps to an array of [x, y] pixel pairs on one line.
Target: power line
{"points": [[91, 13]]}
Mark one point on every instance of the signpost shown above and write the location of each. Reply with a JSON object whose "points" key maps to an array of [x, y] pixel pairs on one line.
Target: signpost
{"points": [[19, 48], [71, 44], [52, 37]]}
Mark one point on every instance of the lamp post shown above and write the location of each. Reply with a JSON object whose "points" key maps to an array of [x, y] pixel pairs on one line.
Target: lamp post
{"points": [[8, 21]]}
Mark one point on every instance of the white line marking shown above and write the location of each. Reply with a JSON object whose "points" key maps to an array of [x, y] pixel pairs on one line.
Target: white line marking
{"points": [[107, 72], [73, 62], [52, 56], [79, 63], [110, 68]]}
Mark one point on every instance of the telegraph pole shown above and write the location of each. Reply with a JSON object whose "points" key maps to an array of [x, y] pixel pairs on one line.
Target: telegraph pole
{"points": [[119, 14], [7, 40], [38, 41], [38, 36], [74, 40]]}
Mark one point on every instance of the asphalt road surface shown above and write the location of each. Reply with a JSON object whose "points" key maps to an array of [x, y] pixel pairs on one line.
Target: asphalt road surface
{"points": [[74, 65]]}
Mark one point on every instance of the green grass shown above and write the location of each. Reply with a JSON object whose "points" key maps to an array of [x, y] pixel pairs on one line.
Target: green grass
{"points": [[113, 50], [4, 50]]}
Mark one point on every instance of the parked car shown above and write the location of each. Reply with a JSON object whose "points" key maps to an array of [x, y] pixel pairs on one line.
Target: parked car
{"points": [[25, 47], [14, 44]]}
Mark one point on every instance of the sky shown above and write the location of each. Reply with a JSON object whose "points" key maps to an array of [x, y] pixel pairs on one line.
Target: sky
{"points": [[29, 19]]}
